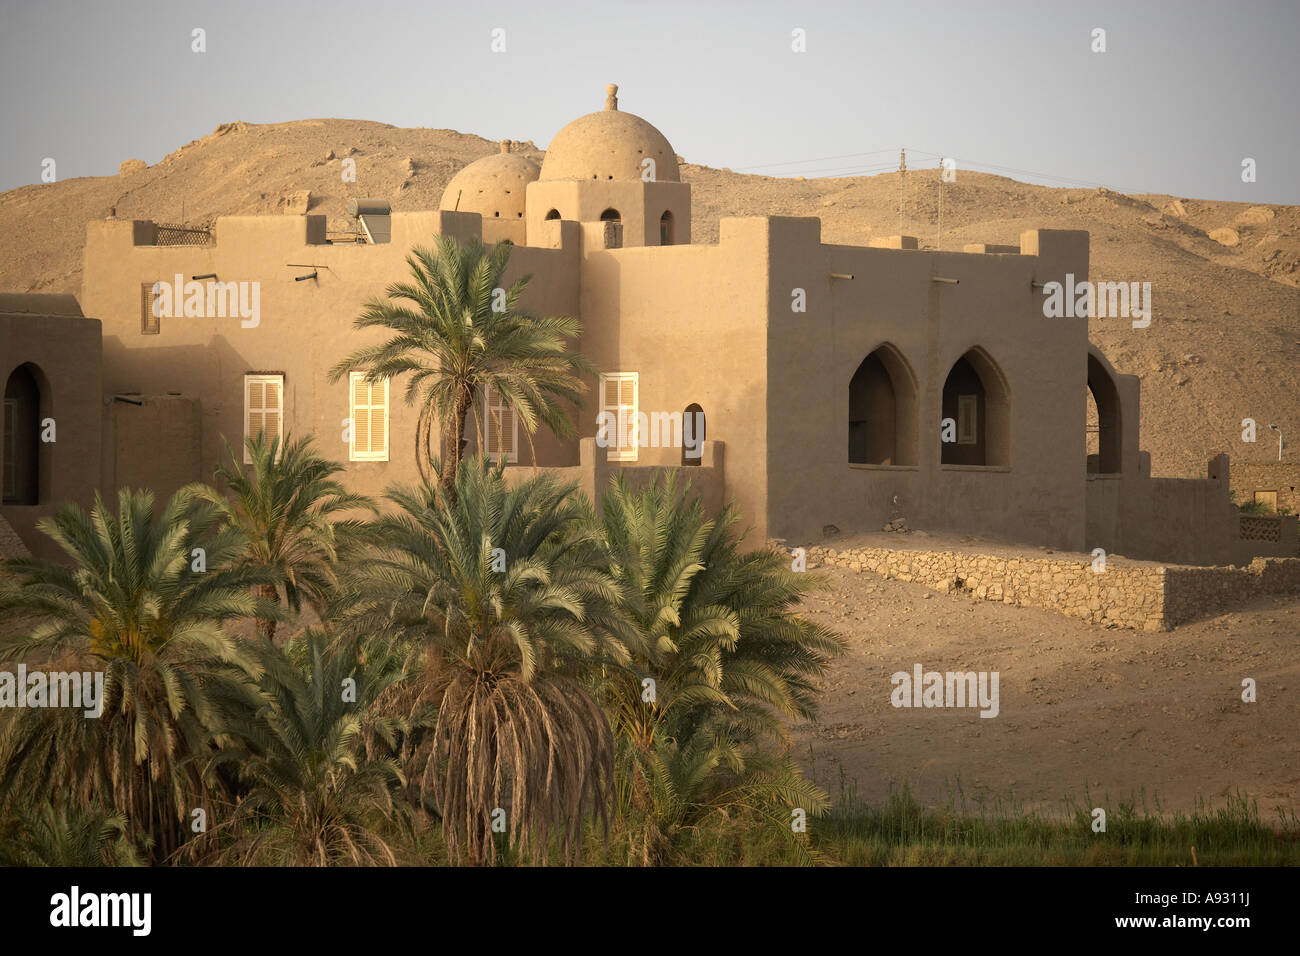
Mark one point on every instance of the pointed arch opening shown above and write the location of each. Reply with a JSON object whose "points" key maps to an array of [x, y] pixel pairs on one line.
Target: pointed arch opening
{"points": [[976, 412], [883, 410], [24, 400], [1104, 423]]}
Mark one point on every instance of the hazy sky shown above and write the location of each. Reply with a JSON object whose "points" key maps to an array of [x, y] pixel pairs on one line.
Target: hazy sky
{"points": [[1184, 92]]}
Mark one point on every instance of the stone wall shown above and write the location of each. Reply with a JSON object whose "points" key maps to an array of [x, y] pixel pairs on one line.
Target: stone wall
{"points": [[1194, 592], [1139, 596]]}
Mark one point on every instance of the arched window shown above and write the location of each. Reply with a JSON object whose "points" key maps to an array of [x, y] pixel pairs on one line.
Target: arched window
{"points": [[610, 215], [977, 400], [882, 410], [553, 214], [692, 434], [22, 437], [666, 229], [1103, 425]]}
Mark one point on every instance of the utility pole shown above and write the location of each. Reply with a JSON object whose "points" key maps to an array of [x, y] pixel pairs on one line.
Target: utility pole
{"points": [[938, 235], [902, 177]]}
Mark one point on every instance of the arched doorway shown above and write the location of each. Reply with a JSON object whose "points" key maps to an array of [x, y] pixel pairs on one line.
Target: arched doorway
{"points": [[978, 402], [1104, 422], [22, 437], [666, 229], [692, 434], [882, 410]]}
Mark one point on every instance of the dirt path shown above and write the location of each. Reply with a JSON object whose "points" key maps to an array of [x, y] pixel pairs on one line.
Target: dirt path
{"points": [[1115, 710]]}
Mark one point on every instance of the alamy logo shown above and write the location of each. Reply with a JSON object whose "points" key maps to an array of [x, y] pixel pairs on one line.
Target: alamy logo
{"points": [[210, 300], [951, 689], [102, 909], [79, 689], [657, 430], [1104, 300]]}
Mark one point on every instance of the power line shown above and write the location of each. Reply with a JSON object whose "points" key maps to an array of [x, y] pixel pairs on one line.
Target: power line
{"points": [[871, 168], [819, 159]]}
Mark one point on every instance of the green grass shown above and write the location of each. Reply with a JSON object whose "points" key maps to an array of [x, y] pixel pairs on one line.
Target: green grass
{"points": [[1000, 832]]}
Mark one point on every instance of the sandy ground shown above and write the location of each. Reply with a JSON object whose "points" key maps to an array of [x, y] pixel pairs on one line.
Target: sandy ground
{"points": [[1114, 710]]}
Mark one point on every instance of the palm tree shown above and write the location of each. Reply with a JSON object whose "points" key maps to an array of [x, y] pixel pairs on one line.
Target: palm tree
{"points": [[498, 594], [725, 653], [50, 836], [285, 505], [312, 798], [458, 331], [143, 603]]}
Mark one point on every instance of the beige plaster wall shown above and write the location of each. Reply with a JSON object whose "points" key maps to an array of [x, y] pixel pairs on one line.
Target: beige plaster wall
{"points": [[893, 299], [305, 327], [66, 351]]}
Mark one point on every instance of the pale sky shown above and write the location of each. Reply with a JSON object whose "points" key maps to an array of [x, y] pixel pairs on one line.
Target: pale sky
{"points": [[1186, 90]]}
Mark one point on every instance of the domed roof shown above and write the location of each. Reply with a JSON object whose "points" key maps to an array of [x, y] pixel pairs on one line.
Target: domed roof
{"points": [[493, 186], [609, 145]]}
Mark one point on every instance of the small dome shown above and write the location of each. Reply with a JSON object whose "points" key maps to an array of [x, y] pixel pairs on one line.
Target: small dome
{"points": [[609, 145], [493, 186]]}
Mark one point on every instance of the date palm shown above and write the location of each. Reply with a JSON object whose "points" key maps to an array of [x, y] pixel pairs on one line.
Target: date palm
{"points": [[286, 505], [143, 601], [55, 836], [311, 797], [498, 595], [726, 654], [458, 330]]}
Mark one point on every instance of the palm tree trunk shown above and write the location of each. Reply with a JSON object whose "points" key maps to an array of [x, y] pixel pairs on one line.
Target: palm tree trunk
{"points": [[453, 445], [266, 625]]}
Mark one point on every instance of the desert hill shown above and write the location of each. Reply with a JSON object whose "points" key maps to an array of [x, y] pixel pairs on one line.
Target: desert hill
{"points": [[1225, 276]]}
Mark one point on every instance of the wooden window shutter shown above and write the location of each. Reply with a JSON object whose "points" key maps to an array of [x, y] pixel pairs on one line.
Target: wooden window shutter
{"points": [[618, 391], [263, 407], [369, 407], [500, 428]]}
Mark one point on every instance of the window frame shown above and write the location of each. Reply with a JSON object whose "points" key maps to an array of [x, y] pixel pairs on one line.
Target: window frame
{"points": [[968, 410], [512, 456], [372, 455], [264, 378], [615, 452], [150, 324]]}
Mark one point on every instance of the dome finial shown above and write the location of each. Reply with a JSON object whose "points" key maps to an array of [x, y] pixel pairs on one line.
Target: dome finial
{"points": [[611, 96], [505, 145]]}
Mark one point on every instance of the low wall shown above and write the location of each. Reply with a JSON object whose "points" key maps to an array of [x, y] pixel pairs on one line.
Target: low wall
{"points": [[1266, 536], [1195, 592], [1139, 596]]}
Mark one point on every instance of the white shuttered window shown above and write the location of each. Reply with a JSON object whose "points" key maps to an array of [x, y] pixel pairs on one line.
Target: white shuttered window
{"points": [[263, 407], [618, 395], [369, 407], [501, 428]]}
